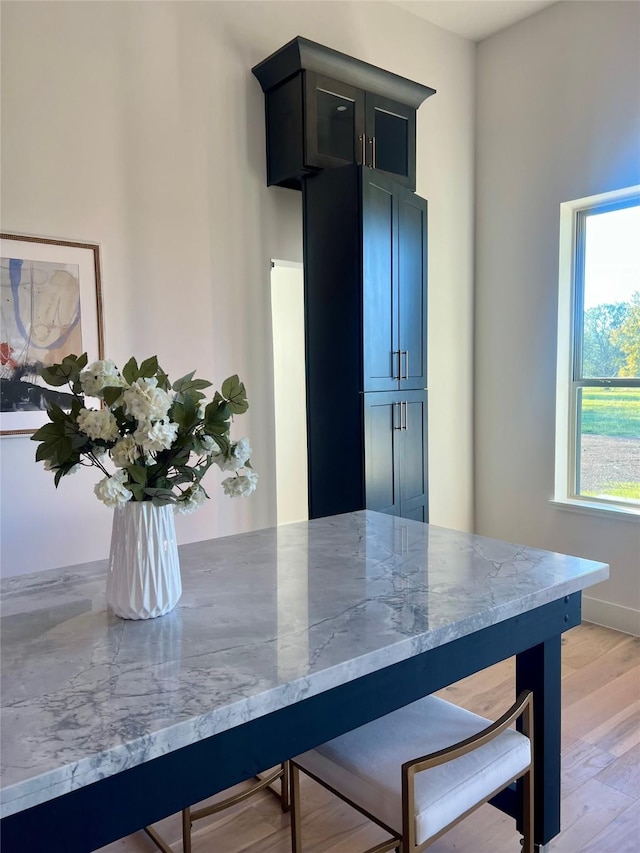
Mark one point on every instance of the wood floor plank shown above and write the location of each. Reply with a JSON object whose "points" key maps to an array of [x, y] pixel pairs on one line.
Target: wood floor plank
{"points": [[620, 733], [582, 761], [601, 704], [600, 782], [621, 836], [604, 669], [582, 646], [586, 812], [484, 831], [624, 774]]}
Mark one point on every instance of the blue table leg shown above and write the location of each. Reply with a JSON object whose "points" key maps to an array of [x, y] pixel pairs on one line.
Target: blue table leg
{"points": [[538, 669]]}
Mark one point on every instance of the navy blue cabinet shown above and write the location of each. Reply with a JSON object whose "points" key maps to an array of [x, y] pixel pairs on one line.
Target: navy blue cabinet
{"points": [[395, 453], [344, 132], [325, 109], [365, 254], [394, 277]]}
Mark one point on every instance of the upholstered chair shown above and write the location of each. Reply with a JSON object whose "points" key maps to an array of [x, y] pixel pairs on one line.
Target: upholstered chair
{"points": [[189, 815], [419, 770]]}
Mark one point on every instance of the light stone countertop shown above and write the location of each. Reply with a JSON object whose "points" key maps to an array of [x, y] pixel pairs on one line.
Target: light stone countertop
{"points": [[266, 618]]}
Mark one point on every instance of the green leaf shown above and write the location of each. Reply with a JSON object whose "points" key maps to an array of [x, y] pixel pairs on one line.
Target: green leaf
{"points": [[65, 373], [187, 383], [130, 371], [111, 394], [43, 452], [58, 476], [48, 431], [234, 392], [184, 412], [61, 449], [78, 441], [161, 496], [184, 380], [238, 407], [230, 385], [179, 456], [216, 412], [54, 375], [178, 414], [163, 380], [149, 367], [138, 473], [199, 384], [57, 414], [136, 490], [70, 360]]}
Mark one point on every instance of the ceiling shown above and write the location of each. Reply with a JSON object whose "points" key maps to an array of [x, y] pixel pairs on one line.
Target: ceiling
{"points": [[473, 19]]}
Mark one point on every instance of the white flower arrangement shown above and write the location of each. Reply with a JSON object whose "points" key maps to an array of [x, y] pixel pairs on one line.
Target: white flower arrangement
{"points": [[161, 438]]}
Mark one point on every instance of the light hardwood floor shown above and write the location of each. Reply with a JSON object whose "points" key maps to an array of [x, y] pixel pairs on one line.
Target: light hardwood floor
{"points": [[600, 777]]}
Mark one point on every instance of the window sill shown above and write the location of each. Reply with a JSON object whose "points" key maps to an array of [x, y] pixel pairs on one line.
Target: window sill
{"points": [[601, 510]]}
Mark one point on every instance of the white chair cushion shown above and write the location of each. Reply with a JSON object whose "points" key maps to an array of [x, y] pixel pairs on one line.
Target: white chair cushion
{"points": [[364, 765]]}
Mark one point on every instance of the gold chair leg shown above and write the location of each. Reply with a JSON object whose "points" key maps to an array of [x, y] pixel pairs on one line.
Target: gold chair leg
{"points": [[285, 803], [294, 790], [283, 793], [527, 816], [189, 815], [157, 839], [186, 830]]}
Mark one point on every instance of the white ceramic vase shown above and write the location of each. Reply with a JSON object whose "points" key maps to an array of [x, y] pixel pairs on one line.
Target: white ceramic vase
{"points": [[143, 579]]}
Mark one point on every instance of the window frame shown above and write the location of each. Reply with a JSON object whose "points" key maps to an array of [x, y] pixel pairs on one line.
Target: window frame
{"points": [[570, 378]]}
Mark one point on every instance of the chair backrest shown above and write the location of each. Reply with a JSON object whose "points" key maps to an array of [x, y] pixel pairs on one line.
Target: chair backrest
{"points": [[419, 770]]}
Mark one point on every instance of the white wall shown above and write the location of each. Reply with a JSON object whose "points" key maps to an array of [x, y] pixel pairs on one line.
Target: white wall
{"points": [[139, 126], [558, 106]]}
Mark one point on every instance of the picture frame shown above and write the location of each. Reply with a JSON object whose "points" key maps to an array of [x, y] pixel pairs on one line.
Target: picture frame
{"points": [[51, 306]]}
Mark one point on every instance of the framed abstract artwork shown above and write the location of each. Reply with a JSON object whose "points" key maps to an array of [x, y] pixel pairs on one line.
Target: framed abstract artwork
{"points": [[51, 306]]}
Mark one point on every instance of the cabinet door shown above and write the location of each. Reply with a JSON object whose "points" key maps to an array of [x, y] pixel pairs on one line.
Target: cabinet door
{"points": [[334, 126], [412, 290], [381, 434], [391, 138], [394, 246], [395, 453], [412, 459], [379, 285]]}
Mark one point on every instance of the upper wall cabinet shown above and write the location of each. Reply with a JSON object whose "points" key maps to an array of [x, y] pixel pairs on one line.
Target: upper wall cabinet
{"points": [[325, 109]]}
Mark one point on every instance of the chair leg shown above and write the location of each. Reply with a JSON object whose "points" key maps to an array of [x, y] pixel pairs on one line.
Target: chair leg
{"points": [[285, 803], [527, 816], [294, 791], [186, 830]]}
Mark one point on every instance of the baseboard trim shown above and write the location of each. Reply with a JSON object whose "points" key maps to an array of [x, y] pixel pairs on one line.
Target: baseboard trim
{"points": [[615, 616]]}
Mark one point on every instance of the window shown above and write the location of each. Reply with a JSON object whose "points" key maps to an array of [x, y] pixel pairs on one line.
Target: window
{"points": [[598, 401]]}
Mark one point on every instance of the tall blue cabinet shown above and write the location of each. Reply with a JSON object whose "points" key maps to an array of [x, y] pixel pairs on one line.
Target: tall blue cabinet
{"points": [[344, 132]]}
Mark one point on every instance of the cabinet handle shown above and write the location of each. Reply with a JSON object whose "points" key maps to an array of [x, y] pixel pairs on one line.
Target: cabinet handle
{"points": [[363, 149], [406, 416], [405, 353], [395, 353], [397, 420], [372, 141]]}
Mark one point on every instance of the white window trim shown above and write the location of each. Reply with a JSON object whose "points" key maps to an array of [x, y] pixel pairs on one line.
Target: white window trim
{"points": [[565, 433]]}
